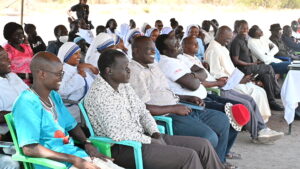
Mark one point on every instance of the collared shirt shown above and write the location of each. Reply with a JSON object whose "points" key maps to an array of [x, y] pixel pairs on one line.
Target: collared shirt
{"points": [[11, 87], [174, 69], [190, 61], [217, 56], [239, 47], [151, 85], [283, 51], [260, 48], [119, 115]]}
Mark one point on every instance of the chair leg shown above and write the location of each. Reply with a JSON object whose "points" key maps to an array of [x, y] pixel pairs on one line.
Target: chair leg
{"points": [[138, 158], [290, 129]]}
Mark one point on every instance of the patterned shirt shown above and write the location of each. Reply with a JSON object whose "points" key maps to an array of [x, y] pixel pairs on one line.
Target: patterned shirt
{"points": [[120, 115]]}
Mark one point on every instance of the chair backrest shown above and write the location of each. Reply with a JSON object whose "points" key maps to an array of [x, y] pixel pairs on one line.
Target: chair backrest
{"points": [[86, 118], [11, 126]]}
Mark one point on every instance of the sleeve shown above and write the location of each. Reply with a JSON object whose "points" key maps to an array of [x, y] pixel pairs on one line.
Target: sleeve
{"points": [[69, 120], [235, 48], [27, 114], [19, 80], [175, 70], [75, 7], [146, 119], [290, 43], [213, 57], [138, 83], [258, 51], [70, 82], [274, 50]]}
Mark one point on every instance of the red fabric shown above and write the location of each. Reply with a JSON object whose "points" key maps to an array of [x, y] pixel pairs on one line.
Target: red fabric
{"points": [[241, 114], [20, 61]]}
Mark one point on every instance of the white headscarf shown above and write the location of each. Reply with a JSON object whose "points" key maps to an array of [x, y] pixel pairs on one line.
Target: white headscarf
{"points": [[149, 31], [67, 50], [144, 27], [101, 41], [129, 35], [166, 30], [186, 33]]}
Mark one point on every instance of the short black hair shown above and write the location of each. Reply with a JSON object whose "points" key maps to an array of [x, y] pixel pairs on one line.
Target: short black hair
{"points": [[160, 43], [56, 29], [100, 29], [10, 28], [108, 58], [28, 27], [252, 31], [108, 22]]}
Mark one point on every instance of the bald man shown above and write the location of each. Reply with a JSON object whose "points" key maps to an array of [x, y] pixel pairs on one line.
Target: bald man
{"points": [[221, 66], [46, 128]]}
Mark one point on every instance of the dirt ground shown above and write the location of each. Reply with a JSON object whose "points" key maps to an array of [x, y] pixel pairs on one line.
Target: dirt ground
{"points": [[284, 154]]}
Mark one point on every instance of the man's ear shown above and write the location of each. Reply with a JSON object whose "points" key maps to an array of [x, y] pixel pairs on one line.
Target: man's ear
{"points": [[41, 74], [107, 71]]}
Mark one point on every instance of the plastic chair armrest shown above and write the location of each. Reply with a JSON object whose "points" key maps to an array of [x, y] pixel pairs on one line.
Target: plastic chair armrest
{"points": [[134, 144], [39, 161], [192, 106], [215, 90]]}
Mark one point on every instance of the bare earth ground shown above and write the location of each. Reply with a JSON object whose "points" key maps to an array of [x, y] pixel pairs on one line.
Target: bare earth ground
{"points": [[284, 154]]}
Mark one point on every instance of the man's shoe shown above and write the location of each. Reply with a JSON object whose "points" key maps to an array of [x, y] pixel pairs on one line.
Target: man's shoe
{"points": [[267, 135], [275, 106]]}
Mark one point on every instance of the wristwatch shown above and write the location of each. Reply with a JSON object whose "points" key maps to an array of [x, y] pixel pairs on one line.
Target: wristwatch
{"points": [[87, 142]]}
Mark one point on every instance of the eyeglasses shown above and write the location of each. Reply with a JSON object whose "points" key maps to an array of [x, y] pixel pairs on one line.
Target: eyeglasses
{"points": [[60, 74]]}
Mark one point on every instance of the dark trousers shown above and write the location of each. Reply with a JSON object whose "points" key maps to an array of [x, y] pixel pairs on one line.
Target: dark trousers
{"points": [[179, 152], [267, 76], [281, 68], [209, 124], [215, 102]]}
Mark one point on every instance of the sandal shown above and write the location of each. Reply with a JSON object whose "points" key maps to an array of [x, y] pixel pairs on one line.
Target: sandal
{"points": [[233, 155], [230, 166]]}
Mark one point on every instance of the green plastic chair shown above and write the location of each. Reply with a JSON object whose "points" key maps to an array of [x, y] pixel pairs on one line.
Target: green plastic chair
{"points": [[105, 142], [214, 90], [28, 161]]}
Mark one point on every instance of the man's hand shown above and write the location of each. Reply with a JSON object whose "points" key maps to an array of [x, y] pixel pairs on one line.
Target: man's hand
{"points": [[157, 139], [246, 79], [195, 100], [82, 66], [221, 82], [93, 152], [83, 164], [156, 135], [181, 110]]}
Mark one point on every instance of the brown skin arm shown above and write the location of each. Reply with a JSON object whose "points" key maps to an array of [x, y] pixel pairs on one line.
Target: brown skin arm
{"points": [[161, 110], [189, 81], [192, 99], [2, 113], [78, 134], [199, 72]]}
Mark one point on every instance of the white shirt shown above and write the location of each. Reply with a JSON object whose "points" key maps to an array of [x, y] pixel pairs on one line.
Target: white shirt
{"points": [[217, 56], [174, 69], [260, 49], [11, 87], [190, 61], [209, 36], [87, 35]]}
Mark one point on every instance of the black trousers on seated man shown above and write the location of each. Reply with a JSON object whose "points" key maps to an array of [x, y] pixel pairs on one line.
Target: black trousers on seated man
{"points": [[267, 76], [172, 152]]}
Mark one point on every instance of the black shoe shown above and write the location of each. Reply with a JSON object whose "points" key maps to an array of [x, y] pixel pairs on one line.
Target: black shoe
{"points": [[275, 106]]}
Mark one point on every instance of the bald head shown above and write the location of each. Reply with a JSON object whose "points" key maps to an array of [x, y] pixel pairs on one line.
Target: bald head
{"points": [[43, 60], [190, 45], [224, 35]]}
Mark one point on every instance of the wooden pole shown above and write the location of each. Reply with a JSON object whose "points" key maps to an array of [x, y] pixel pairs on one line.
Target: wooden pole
{"points": [[22, 11]]}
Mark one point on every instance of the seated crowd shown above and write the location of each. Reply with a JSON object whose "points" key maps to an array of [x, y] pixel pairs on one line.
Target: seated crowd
{"points": [[126, 76]]}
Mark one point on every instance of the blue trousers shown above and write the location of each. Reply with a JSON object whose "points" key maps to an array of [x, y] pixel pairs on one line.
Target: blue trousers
{"points": [[281, 68], [210, 124]]}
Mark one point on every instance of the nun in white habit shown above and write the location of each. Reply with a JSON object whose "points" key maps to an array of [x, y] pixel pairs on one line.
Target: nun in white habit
{"points": [[101, 42], [77, 78]]}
